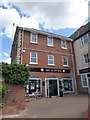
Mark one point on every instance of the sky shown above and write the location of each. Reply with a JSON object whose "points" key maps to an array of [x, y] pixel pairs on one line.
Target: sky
{"points": [[61, 17]]}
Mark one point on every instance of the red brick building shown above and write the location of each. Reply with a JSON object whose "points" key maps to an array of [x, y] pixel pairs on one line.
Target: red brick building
{"points": [[50, 58]]}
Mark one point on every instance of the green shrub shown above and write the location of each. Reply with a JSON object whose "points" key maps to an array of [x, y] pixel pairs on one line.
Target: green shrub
{"points": [[15, 73], [3, 91]]}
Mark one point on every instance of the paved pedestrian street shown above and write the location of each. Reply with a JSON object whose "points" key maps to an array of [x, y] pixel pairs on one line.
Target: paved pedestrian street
{"points": [[68, 106]]}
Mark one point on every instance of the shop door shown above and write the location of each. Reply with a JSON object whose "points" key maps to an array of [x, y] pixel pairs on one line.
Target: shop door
{"points": [[53, 87]]}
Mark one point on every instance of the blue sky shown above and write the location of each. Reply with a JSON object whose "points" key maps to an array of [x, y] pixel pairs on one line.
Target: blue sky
{"points": [[61, 17]]}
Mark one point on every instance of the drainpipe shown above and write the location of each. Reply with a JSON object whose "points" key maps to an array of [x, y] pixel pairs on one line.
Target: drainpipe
{"points": [[72, 55]]}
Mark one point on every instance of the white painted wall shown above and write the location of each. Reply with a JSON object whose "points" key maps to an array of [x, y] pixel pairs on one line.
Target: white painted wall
{"points": [[79, 52]]}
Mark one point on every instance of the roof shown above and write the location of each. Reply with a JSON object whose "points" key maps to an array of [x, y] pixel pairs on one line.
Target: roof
{"points": [[81, 31], [44, 33]]}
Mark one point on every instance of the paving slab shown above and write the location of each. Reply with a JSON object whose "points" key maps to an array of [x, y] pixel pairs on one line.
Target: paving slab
{"points": [[68, 106]]}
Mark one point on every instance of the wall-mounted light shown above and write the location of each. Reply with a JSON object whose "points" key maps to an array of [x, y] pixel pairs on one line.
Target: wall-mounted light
{"points": [[27, 65], [23, 51]]}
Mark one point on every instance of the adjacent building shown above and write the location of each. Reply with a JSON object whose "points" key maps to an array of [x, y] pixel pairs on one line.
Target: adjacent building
{"points": [[81, 45], [50, 58]]}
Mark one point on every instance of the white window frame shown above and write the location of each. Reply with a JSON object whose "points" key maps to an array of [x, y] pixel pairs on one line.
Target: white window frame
{"points": [[86, 58], [31, 38], [50, 59], [63, 43], [50, 43], [63, 61], [84, 80], [82, 39], [35, 58]]}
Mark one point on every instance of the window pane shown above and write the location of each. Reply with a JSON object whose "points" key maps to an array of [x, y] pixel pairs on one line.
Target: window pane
{"points": [[85, 39], [65, 60], [86, 58], [50, 59], [34, 38], [50, 41], [33, 54], [33, 57], [84, 81], [63, 43]]}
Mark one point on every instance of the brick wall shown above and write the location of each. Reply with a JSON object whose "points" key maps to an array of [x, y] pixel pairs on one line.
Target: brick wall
{"points": [[14, 92]]}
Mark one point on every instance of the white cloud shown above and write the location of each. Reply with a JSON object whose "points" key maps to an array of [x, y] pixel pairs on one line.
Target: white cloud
{"points": [[10, 16], [4, 53], [56, 15], [8, 60]]}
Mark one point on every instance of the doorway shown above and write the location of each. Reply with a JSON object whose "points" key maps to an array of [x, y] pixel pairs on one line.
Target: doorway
{"points": [[51, 87]]}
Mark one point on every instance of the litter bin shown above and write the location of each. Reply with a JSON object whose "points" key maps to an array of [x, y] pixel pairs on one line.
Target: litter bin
{"points": [[61, 93]]}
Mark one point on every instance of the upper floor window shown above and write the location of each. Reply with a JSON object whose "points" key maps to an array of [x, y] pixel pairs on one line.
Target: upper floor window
{"points": [[84, 81], [65, 61], [33, 38], [86, 58], [50, 59], [85, 39], [63, 44], [50, 41], [33, 58]]}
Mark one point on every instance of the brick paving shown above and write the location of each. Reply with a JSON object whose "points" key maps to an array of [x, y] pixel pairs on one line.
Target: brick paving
{"points": [[69, 106]]}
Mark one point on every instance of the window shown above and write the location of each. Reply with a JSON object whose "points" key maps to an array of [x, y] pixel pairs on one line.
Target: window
{"points": [[85, 39], [34, 86], [33, 58], [86, 58], [63, 44], [67, 84], [50, 60], [50, 41], [33, 38], [84, 81], [65, 61]]}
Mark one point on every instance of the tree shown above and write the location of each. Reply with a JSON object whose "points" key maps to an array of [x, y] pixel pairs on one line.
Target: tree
{"points": [[15, 73]]}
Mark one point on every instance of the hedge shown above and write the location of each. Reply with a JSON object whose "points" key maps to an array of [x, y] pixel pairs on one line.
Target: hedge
{"points": [[15, 73]]}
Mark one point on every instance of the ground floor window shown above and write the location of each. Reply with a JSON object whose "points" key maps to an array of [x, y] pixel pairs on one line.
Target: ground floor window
{"points": [[84, 80], [67, 84], [34, 86]]}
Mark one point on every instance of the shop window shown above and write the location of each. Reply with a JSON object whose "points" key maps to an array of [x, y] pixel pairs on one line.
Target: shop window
{"points": [[67, 85], [34, 86]]}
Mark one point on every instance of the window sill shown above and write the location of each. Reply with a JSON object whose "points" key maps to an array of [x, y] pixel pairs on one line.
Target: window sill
{"points": [[33, 63], [63, 48], [50, 46], [65, 66], [33, 42], [51, 64], [85, 86]]}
